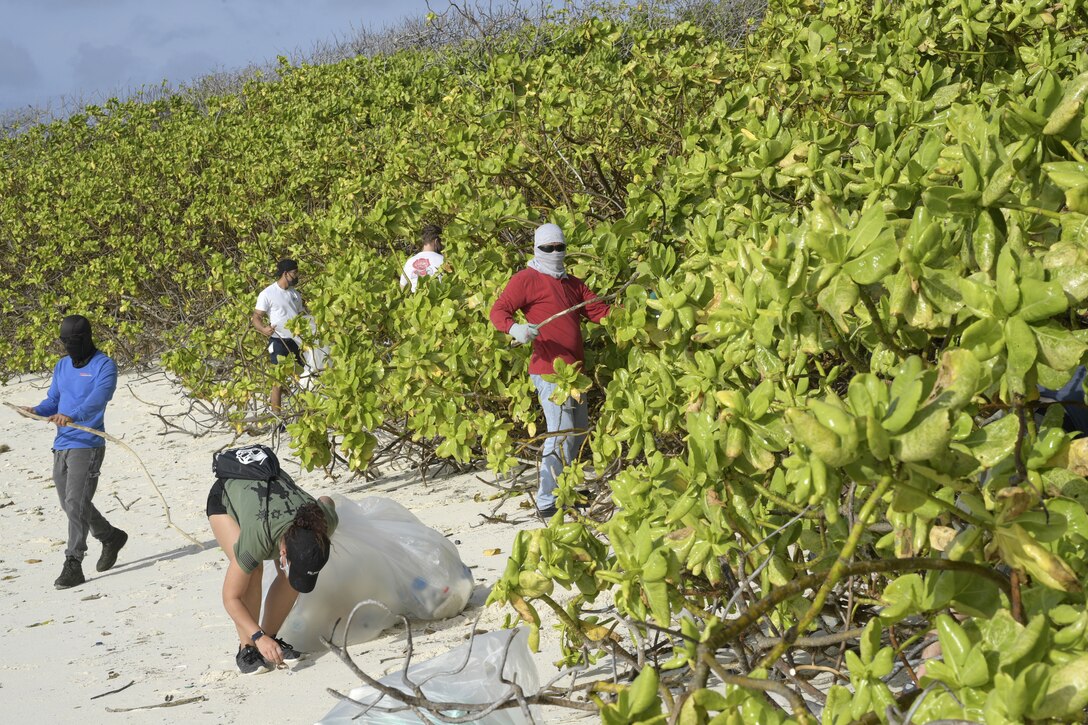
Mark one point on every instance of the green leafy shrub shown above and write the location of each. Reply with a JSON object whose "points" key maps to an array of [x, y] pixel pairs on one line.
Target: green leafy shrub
{"points": [[854, 239]]}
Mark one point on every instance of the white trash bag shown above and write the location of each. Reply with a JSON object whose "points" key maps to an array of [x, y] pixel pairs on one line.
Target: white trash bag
{"points": [[380, 552], [449, 678], [316, 359], [315, 356]]}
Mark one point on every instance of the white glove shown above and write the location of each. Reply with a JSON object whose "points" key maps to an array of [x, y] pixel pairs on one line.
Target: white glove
{"points": [[523, 334]]}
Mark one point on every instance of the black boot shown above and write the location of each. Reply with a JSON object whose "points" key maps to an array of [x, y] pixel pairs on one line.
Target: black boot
{"points": [[71, 575], [110, 548]]}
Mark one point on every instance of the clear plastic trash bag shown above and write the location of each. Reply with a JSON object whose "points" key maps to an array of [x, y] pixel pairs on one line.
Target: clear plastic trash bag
{"points": [[315, 356], [380, 552], [457, 676], [316, 359]]}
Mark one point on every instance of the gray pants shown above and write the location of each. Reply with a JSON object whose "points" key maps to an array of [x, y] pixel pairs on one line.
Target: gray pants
{"points": [[75, 473]]}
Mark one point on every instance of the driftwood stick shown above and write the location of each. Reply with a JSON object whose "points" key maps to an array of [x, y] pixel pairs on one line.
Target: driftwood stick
{"points": [[117, 441], [580, 305], [171, 703], [114, 692], [424, 707]]}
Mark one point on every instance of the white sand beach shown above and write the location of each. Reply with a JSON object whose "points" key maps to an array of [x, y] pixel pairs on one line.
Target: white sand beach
{"points": [[156, 619]]}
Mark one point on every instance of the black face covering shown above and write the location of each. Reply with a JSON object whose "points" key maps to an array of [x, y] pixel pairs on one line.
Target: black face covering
{"points": [[75, 333]]}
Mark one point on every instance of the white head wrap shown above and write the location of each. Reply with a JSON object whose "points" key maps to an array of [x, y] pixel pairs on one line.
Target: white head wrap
{"points": [[549, 263]]}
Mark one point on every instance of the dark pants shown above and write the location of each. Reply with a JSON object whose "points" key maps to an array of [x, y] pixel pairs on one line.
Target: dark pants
{"points": [[284, 347], [75, 473]]}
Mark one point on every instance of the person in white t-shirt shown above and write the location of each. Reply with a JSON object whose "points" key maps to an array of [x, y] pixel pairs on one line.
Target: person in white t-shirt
{"points": [[280, 303], [426, 263]]}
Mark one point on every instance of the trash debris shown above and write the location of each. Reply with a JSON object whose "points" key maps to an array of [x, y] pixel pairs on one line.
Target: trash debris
{"points": [[380, 552], [467, 674]]}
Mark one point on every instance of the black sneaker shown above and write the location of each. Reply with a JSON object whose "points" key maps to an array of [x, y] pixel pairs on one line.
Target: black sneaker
{"points": [[110, 548], [547, 512], [291, 656], [71, 575], [250, 661]]}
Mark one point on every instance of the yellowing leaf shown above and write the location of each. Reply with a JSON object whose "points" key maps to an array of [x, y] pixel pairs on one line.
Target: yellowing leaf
{"points": [[1013, 501], [525, 610], [957, 378], [1020, 550], [797, 154], [598, 633], [941, 536], [1074, 457]]}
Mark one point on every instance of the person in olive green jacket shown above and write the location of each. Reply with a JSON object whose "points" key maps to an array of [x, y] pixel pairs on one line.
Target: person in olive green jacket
{"points": [[256, 521]]}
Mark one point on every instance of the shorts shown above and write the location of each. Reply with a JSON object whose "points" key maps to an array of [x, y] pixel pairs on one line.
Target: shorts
{"points": [[282, 347], [215, 499]]}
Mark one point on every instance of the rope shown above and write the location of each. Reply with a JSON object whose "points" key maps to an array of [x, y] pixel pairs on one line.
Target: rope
{"points": [[111, 439]]}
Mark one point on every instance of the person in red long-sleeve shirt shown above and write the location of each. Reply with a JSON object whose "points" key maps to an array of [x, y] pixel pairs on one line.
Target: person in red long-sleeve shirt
{"points": [[540, 291]]}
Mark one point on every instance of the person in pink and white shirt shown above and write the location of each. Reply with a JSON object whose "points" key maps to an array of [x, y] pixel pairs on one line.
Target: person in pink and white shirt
{"points": [[428, 262]]}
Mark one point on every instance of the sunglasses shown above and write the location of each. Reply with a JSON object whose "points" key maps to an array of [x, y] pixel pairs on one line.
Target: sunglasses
{"points": [[549, 248]]}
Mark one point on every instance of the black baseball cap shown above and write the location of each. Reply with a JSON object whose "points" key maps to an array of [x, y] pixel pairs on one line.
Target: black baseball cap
{"points": [[285, 265], [306, 555]]}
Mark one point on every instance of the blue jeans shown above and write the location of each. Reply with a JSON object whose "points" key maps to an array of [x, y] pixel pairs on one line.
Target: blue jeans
{"points": [[558, 449]]}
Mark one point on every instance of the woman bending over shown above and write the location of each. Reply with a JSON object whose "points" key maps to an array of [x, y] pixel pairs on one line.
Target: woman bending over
{"points": [[256, 521]]}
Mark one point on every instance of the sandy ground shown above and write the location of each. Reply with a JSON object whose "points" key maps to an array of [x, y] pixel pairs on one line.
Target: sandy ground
{"points": [[156, 619]]}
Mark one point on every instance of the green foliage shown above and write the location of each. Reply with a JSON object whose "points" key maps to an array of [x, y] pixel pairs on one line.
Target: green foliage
{"points": [[992, 670], [639, 703], [854, 238]]}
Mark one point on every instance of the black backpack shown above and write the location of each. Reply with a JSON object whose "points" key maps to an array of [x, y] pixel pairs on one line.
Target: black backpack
{"points": [[250, 463]]}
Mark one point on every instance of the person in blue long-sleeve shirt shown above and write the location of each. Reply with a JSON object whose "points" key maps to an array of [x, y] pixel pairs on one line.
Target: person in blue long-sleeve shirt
{"points": [[83, 383]]}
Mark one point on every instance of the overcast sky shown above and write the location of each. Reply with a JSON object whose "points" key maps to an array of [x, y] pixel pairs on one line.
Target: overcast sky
{"points": [[98, 48]]}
